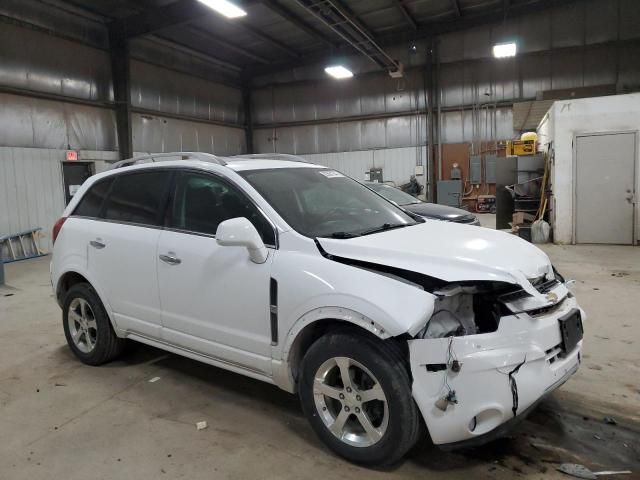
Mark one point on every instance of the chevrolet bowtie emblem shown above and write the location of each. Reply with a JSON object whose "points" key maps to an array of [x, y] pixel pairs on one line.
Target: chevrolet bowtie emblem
{"points": [[552, 297]]}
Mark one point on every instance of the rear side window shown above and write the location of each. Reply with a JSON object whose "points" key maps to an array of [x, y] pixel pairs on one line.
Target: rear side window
{"points": [[137, 198], [91, 203]]}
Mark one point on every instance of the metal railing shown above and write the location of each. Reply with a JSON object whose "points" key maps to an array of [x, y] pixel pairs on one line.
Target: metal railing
{"points": [[270, 156], [159, 157]]}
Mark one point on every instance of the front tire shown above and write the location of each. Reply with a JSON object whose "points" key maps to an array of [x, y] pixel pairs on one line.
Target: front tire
{"points": [[356, 393], [87, 327]]}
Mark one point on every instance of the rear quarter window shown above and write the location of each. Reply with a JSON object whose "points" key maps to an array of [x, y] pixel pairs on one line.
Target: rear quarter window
{"points": [[91, 203], [137, 198]]}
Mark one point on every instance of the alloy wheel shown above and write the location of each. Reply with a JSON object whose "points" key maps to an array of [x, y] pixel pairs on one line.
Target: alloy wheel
{"points": [[82, 325], [350, 401]]}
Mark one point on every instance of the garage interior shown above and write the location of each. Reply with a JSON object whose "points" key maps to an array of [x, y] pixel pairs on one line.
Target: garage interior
{"points": [[427, 101]]}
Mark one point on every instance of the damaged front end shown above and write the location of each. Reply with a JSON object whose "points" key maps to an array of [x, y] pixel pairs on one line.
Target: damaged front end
{"points": [[489, 352]]}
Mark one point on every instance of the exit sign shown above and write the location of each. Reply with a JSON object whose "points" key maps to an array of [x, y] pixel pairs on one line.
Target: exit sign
{"points": [[72, 156]]}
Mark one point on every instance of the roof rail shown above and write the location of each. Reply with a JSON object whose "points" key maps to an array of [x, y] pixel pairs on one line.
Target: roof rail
{"points": [[270, 156], [157, 157]]}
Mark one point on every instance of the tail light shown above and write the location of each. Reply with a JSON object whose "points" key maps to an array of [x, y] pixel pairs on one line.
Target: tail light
{"points": [[57, 227]]}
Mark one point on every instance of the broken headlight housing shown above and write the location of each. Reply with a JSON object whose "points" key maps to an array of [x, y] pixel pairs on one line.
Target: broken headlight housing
{"points": [[467, 309]]}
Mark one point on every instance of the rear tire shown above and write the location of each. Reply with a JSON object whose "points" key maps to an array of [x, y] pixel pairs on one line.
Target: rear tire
{"points": [[370, 419], [87, 327]]}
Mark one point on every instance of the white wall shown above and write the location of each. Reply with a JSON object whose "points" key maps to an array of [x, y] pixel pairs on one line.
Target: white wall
{"points": [[564, 120], [31, 190], [398, 164]]}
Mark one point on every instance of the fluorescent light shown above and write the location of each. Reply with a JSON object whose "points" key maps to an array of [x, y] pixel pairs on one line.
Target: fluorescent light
{"points": [[225, 8], [503, 50], [338, 71]]}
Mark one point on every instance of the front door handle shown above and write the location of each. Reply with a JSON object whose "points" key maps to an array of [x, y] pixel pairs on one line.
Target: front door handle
{"points": [[170, 258], [97, 243]]}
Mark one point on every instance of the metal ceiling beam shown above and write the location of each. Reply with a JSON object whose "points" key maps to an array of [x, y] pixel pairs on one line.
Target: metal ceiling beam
{"points": [[266, 38], [405, 13], [296, 20], [170, 15], [344, 23], [185, 11], [229, 46], [427, 30], [469, 20], [170, 43], [456, 8]]}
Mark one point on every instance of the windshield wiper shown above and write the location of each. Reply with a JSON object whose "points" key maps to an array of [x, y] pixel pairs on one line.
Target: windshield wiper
{"points": [[344, 235], [384, 227]]}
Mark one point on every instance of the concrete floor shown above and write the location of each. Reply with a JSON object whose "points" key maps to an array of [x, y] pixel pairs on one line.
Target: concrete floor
{"points": [[62, 419]]}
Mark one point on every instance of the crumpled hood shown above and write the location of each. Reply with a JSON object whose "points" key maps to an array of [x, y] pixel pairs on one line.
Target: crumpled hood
{"points": [[448, 251]]}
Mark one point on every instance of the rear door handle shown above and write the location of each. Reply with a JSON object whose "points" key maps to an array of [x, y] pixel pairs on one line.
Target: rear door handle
{"points": [[170, 258], [97, 243]]}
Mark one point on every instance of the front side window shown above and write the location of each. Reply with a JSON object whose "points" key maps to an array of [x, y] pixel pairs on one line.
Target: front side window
{"points": [[137, 198], [91, 202], [201, 202], [324, 203]]}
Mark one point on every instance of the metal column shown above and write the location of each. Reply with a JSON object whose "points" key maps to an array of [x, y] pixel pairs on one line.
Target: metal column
{"points": [[121, 77], [248, 118]]}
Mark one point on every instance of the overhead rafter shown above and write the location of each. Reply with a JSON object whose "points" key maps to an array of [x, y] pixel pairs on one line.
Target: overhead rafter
{"points": [[343, 22], [266, 38], [181, 12], [170, 43], [405, 13], [298, 21], [427, 30], [456, 8], [165, 16], [229, 46]]}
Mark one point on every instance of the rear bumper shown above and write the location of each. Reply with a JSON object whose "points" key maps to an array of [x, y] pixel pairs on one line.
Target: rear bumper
{"points": [[503, 375]]}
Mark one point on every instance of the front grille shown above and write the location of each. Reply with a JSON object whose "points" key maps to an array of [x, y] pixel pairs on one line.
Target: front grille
{"points": [[548, 309], [513, 296], [542, 285], [553, 354]]}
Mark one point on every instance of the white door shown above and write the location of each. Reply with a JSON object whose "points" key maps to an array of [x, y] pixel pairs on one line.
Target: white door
{"points": [[605, 188], [215, 300], [122, 250]]}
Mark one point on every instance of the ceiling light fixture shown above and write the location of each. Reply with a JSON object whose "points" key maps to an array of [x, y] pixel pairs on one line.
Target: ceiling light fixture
{"points": [[338, 71], [225, 8], [503, 50]]}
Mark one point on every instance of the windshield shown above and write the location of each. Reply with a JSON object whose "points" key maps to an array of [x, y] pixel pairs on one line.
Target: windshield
{"points": [[325, 203], [392, 193]]}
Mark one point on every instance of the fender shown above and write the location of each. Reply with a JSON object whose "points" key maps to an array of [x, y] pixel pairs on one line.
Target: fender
{"points": [[281, 368]]}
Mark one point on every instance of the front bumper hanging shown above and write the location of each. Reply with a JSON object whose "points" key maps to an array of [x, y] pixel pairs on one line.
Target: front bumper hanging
{"points": [[497, 378]]}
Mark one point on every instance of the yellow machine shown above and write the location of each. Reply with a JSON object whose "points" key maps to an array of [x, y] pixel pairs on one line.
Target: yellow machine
{"points": [[525, 146]]}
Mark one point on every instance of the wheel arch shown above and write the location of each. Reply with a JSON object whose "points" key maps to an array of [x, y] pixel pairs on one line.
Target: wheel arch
{"points": [[313, 326], [72, 277], [66, 281]]}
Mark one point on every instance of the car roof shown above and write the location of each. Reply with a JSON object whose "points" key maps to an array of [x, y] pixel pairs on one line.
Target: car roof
{"points": [[205, 161], [264, 164]]}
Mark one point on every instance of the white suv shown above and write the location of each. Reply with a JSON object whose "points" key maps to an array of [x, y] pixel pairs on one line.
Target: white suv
{"points": [[297, 275]]}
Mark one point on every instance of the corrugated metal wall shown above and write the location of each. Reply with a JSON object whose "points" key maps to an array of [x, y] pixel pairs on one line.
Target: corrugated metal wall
{"points": [[580, 44], [34, 122], [392, 161], [176, 111], [343, 136], [165, 91], [153, 133], [31, 190]]}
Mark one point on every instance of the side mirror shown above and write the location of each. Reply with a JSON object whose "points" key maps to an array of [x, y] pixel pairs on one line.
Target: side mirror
{"points": [[240, 232]]}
